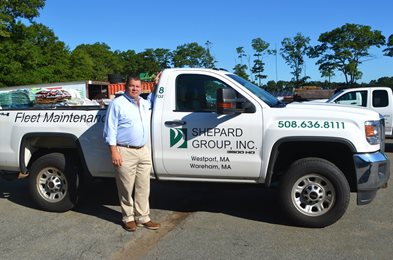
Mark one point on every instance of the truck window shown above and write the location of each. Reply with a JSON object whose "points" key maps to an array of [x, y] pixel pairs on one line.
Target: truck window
{"points": [[358, 98], [380, 98], [197, 93]]}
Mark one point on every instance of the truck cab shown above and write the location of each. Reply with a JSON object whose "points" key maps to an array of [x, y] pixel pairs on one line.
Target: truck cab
{"points": [[379, 99]]}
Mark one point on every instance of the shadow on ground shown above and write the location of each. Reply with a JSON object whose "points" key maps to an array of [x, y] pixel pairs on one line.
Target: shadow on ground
{"points": [[246, 201], [389, 147]]}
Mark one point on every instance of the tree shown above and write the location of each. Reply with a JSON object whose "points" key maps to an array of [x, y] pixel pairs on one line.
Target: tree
{"points": [[32, 54], [11, 10], [148, 62], [163, 57], [241, 68], [327, 70], [81, 66], [344, 48], [389, 51], [260, 47], [104, 60], [271, 86], [384, 81], [189, 55], [127, 58], [209, 61], [293, 52]]}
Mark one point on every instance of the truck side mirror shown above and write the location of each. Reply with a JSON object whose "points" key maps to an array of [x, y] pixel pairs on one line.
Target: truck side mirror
{"points": [[226, 101]]}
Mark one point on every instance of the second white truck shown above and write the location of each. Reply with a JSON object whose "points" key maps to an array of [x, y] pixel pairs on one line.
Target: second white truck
{"points": [[379, 99], [212, 126]]}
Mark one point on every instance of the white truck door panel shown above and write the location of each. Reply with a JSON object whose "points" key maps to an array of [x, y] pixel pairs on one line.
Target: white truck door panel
{"points": [[198, 142], [207, 145]]}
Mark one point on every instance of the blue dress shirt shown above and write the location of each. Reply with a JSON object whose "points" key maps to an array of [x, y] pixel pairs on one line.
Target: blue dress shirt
{"points": [[126, 123]]}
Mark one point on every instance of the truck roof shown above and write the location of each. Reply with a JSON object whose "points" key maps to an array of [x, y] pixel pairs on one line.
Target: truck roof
{"points": [[220, 71]]}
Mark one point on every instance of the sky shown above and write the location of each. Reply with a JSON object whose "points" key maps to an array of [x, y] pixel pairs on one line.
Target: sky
{"points": [[227, 24]]}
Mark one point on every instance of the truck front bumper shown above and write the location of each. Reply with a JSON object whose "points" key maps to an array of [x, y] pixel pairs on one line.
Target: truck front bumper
{"points": [[372, 173]]}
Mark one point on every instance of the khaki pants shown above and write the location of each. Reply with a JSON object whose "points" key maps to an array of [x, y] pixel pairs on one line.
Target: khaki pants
{"points": [[134, 176]]}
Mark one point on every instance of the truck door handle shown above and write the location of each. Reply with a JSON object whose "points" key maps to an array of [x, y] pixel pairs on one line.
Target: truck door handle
{"points": [[175, 123]]}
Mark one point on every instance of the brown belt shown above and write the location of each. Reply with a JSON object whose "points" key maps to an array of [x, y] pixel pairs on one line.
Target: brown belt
{"points": [[130, 146]]}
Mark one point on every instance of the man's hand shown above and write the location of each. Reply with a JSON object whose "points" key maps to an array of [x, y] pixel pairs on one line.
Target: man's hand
{"points": [[116, 157], [157, 79]]}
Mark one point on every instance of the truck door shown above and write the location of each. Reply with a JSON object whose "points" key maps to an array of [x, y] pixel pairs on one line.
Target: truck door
{"points": [[380, 104], [357, 98], [196, 142]]}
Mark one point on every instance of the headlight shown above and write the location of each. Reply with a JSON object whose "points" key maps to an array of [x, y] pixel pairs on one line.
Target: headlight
{"points": [[373, 132]]}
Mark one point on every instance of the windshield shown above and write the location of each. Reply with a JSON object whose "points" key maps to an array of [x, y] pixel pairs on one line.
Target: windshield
{"points": [[334, 96], [265, 96]]}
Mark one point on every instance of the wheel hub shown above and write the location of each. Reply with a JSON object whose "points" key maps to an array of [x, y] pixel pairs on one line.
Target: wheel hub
{"points": [[313, 193], [53, 184]]}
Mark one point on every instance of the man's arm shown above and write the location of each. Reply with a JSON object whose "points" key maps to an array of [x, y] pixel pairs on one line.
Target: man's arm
{"points": [[116, 157]]}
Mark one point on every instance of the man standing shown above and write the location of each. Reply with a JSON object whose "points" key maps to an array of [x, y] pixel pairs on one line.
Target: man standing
{"points": [[126, 132]]}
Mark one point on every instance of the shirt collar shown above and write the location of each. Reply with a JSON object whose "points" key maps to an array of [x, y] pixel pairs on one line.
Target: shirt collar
{"points": [[129, 98]]}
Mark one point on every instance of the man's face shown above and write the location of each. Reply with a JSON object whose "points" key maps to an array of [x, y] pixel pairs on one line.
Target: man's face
{"points": [[134, 88]]}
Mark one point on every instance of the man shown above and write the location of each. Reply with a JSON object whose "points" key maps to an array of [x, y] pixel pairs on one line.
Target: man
{"points": [[126, 132]]}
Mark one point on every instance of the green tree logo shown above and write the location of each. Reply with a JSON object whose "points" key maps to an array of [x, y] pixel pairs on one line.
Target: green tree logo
{"points": [[178, 137]]}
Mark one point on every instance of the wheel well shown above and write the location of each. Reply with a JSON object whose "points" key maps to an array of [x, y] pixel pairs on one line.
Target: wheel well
{"points": [[337, 153], [34, 146]]}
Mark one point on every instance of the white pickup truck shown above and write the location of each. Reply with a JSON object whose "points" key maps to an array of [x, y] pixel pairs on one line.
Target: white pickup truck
{"points": [[212, 126], [379, 99]]}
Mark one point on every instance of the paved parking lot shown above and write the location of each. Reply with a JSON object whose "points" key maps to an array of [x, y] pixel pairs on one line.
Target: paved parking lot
{"points": [[200, 221]]}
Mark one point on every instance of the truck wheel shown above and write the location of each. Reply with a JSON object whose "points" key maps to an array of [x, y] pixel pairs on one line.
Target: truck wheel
{"points": [[53, 182], [314, 192]]}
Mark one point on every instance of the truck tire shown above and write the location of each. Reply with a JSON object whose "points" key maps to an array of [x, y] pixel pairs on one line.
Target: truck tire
{"points": [[53, 182], [314, 193]]}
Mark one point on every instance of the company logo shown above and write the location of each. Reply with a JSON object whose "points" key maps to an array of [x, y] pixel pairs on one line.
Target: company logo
{"points": [[178, 137]]}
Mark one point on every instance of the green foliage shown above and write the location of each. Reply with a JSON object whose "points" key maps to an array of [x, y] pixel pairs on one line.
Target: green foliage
{"points": [[103, 60], [327, 70], [260, 48], [81, 66], [32, 54], [240, 68], [149, 61], [163, 57], [389, 50], [208, 59], [344, 48], [293, 52], [383, 82], [129, 67], [271, 86], [12, 10], [191, 55]]}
